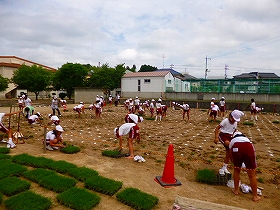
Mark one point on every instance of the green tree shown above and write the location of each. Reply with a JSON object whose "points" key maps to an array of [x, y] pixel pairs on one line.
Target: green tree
{"points": [[145, 68], [4, 83], [106, 78], [70, 76], [33, 78]]}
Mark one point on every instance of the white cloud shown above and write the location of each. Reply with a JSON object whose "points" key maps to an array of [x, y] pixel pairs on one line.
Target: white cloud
{"points": [[243, 34]]}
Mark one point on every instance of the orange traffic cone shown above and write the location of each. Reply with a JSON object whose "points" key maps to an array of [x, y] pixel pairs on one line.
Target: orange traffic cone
{"points": [[168, 179]]}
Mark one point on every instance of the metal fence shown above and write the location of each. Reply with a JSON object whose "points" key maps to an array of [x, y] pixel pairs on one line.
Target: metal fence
{"points": [[267, 86]]}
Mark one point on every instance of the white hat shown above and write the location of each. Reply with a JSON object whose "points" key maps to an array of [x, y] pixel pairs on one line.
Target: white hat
{"points": [[115, 130], [236, 133], [153, 99], [213, 99], [38, 113], [81, 102], [49, 115], [212, 103], [130, 99], [136, 97], [141, 119], [236, 114], [59, 128], [223, 97]]}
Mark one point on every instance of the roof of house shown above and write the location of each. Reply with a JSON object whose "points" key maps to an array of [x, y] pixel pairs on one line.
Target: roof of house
{"points": [[147, 74], [256, 75], [17, 65], [172, 71], [189, 77]]}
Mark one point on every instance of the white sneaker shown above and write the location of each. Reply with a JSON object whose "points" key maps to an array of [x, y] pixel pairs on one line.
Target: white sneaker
{"points": [[11, 143], [55, 148], [226, 171], [221, 172], [49, 148]]}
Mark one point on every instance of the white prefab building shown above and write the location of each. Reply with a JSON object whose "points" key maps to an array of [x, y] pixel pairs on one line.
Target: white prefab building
{"points": [[151, 84]]}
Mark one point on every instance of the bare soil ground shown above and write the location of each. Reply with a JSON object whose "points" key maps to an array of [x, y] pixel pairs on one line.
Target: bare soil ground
{"points": [[193, 150]]}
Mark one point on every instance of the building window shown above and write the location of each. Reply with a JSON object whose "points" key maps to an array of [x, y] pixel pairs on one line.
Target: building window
{"points": [[169, 81], [147, 80], [139, 85]]}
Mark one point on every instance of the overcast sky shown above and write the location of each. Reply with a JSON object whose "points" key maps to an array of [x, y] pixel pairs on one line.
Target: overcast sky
{"points": [[243, 34]]}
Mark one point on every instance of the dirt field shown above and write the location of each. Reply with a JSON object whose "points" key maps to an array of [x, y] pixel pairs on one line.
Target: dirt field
{"points": [[194, 150]]}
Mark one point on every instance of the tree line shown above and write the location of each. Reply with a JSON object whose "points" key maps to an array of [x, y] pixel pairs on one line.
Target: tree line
{"points": [[70, 75]]}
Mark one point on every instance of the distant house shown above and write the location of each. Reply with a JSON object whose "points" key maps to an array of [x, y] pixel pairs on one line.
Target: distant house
{"points": [[152, 84], [8, 64], [255, 82]]}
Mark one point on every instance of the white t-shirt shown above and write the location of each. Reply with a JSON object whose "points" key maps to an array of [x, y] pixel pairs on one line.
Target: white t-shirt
{"points": [[215, 108], [33, 117], [125, 128], [1, 116], [227, 127], [54, 118], [50, 135], [134, 117], [238, 139], [185, 106]]}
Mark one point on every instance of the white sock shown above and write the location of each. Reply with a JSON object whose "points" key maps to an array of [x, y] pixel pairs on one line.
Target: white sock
{"points": [[159, 118], [225, 166], [156, 118]]}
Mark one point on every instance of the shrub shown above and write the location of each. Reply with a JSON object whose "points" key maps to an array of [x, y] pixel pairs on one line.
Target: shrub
{"points": [[1, 197], [206, 176], [137, 199], [79, 199], [149, 118], [61, 166], [37, 174], [103, 185], [13, 185], [57, 183], [28, 200], [4, 150], [82, 173], [70, 149]]}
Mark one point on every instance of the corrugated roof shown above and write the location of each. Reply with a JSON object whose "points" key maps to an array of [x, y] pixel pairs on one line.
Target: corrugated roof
{"points": [[175, 73], [147, 74]]}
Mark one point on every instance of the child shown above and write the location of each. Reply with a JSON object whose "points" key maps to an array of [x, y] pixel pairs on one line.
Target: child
{"points": [[213, 112], [54, 138], [34, 118], [54, 120], [224, 132], [10, 143], [222, 107]]}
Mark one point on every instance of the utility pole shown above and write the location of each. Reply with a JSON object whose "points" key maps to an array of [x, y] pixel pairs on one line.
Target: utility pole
{"points": [[226, 69], [206, 67], [163, 61]]}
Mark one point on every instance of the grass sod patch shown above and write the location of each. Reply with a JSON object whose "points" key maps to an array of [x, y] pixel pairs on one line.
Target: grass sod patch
{"points": [[70, 149], [57, 183], [112, 153], [38, 162], [82, 173], [37, 174], [28, 200], [137, 199], [13, 185], [248, 123], [7, 168], [206, 176], [4, 150], [103, 185], [276, 121], [4, 156], [78, 198], [61, 166]]}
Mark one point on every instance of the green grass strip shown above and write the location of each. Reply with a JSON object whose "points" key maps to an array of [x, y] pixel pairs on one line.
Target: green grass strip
{"points": [[4, 156], [37, 174], [79, 199], [112, 153], [61, 166], [137, 199], [13, 185], [57, 183], [70, 149], [82, 173], [28, 200], [103, 185], [206, 176], [4, 150], [38, 162], [7, 168]]}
